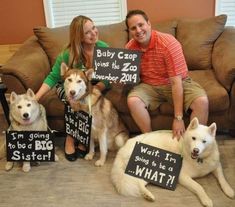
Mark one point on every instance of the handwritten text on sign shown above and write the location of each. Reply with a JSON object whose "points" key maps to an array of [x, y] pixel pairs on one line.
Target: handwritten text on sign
{"points": [[30, 146], [116, 65], [157, 166], [78, 125]]}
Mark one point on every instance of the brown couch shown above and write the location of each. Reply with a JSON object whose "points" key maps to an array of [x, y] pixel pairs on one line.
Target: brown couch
{"points": [[209, 48]]}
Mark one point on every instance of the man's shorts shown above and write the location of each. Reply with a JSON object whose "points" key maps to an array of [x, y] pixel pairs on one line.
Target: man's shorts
{"points": [[154, 96]]}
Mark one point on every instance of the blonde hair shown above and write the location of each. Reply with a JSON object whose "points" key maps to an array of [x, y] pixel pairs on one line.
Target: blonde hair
{"points": [[76, 53]]}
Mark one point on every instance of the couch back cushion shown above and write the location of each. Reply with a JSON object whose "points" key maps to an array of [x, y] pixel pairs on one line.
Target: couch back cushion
{"points": [[54, 40], [197, 38], [115, 35]]}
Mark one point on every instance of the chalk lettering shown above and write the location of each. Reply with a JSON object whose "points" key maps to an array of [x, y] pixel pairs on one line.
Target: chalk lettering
{"points": [[107, 53], [141, 159]]}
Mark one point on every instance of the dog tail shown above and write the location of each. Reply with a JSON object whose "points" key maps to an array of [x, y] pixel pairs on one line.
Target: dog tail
{"points": [[3, 149], [125, 184]]}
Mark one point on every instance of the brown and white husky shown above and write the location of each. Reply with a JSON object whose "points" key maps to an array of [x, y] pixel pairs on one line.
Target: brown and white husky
{"points": [[107, 128]]}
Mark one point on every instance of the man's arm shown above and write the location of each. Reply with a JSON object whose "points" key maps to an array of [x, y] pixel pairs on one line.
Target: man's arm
{"points": [[178, 101]]}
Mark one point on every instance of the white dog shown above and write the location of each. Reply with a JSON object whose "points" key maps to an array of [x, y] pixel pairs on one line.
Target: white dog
{"points": [[107, 128], [197, 144], [26, 114]]}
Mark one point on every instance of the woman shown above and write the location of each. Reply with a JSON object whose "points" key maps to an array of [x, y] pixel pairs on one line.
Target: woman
{"points": [[78, 54]]}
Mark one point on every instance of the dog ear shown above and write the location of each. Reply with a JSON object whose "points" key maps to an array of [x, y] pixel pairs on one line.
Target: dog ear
{"points": [[89, 73], [193, 123], [63, 69], [30, 93], [13, 97], [212, 129]]}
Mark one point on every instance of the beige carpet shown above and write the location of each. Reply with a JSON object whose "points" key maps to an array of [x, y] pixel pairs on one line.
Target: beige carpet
{"points": [[80, 184]]}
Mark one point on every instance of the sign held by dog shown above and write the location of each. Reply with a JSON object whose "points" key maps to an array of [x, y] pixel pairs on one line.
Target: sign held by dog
{"points": [[78, 125], [30, 146], [155, 165], [117, 65]]}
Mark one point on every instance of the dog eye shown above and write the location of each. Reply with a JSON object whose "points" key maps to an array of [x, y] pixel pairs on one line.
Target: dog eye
{"points": [[79, 81], [204, 141], [19, 107], [29, 105], [193, 138], [69, 79]]}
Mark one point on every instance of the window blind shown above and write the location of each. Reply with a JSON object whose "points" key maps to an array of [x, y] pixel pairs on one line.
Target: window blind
{"points": [[226, 7], [61, 12]]}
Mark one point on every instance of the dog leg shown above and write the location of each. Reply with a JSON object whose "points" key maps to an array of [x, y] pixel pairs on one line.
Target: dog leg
{"points": [[218, 173], [9, 166], [196, 188], [91, 153], [56, 158], [145, 192], [103, 150], [26, 166]]}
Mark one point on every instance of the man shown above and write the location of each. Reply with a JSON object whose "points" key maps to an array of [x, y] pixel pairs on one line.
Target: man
{"points": [[164, 77]]}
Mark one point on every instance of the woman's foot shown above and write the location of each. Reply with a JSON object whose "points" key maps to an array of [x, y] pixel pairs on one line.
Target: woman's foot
{"points": [[69, 149], [81, 151]]}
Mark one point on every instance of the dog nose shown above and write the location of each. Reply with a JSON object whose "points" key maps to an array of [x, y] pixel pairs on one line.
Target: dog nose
{"points": [[25, 115], [72, 92], [196, 150]]}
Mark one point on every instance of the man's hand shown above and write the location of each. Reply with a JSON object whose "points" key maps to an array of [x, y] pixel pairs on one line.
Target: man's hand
{"points": [[178, 128]]}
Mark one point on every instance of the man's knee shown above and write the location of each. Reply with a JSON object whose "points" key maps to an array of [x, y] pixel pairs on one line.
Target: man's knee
{"points": [[134, 101], [200, 103]]}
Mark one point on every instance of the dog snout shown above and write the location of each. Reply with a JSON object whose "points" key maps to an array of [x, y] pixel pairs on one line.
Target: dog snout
{"points": [[26, 115], [72, 92], [195, 150]]}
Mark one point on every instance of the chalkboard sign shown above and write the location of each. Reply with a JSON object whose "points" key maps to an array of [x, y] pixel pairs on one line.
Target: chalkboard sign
{"points": [[157, 166], [78, 125], [30, 146], [117, 65]]}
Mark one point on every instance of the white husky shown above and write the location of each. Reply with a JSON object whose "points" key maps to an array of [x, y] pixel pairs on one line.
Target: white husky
{"points": [[26, 114], [197, 144]]}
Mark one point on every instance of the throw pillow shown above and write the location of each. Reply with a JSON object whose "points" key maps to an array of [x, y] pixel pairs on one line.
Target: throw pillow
{"points": [[197, 38], [52, 40]]}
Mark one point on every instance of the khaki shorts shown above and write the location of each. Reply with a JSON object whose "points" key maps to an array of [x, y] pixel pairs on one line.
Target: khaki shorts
{"points": [[154, 96]]}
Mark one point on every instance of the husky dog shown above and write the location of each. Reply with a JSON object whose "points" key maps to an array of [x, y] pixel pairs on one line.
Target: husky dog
{"points": [[200, 157], [26, 114], [107, 128]]}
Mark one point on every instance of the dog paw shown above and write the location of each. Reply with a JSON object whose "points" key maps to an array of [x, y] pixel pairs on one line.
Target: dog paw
{"points": [[229, 192], [9, 166], [26, 167], [207, 203], [99, 163], [89, 156]]}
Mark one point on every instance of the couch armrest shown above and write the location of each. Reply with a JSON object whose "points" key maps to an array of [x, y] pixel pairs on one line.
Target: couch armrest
{"points": [[223, 57], [27, 68], [232, 108]]}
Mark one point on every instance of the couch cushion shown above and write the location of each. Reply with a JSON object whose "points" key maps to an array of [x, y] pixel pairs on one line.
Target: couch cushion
{"points": [[197, 38], [115, 35], [52, 40], [217, 95], [166, 26]]}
